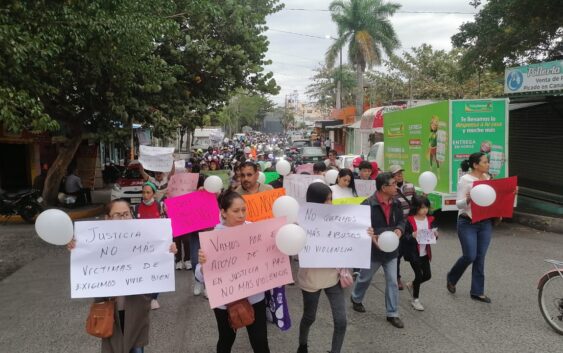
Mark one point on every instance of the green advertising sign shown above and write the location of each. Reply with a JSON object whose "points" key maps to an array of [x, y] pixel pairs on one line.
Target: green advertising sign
{"points": [[271, 176], [416, 139], [479, 126]]}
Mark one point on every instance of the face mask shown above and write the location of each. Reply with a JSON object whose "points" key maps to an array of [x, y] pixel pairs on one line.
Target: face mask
{"points": [[149, 202]]}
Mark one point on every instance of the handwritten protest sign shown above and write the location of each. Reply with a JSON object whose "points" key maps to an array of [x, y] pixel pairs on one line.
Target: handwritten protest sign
{"points": [[195, 211], [126, 257], [259, 206], [503, 206], [365, 187], [157, 159], [349, 201], [180, 166], [243, 260], [426, 236], [296, 185], [182, 183], [223, 174], [304, 168], [271, 176], [336, 236]]}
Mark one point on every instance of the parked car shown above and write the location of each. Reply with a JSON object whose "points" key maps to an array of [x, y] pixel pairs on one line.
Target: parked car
{"points": [[346, 160], [312, 155], [130, 185], [301, 143], [376, 154]]}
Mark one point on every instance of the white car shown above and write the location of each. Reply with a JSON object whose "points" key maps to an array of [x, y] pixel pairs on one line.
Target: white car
{"points": [[129, 186], [346, 160]]}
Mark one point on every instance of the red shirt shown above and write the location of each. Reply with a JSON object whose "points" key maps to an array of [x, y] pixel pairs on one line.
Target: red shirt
{"points": [[147, 212], [385, 206]]}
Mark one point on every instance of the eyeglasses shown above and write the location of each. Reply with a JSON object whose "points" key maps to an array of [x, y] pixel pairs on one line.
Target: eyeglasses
{"points": [[124, 215]]}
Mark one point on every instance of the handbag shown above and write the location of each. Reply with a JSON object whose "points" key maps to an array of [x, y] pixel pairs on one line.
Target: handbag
{"points": [[345, 277], [241, 313], [277, 311], [101, 318]]}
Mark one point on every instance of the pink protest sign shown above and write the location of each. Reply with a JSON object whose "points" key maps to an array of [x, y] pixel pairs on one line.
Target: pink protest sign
{"points": [[191, 212], [243, 260], [182, 183], [307, 168]]}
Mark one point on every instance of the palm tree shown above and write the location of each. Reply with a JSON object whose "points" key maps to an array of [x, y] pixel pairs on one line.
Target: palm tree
{"points": [[365, 27]]}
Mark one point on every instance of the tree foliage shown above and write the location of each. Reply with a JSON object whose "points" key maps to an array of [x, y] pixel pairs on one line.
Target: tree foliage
{"points": [[243, 109], [323, 87], [514, 32]]}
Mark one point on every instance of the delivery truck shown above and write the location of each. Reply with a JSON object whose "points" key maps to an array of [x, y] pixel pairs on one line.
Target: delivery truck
{"points": [[437, 137]]}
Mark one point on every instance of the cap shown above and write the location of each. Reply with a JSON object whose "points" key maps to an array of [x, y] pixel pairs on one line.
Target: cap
{"points": [[394, 169], [356, 162]]}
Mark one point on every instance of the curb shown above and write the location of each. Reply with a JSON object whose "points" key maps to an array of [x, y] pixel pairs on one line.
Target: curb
{"points": [[73, 214], [547, 224]]}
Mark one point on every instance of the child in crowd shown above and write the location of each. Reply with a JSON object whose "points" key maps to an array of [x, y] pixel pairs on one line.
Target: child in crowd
{"points": [[419, 255]]}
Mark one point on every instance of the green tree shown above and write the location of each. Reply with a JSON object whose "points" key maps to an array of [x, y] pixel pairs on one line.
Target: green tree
{"points": [[515, 32], [364, 26], [323, 88], [243, 109]]}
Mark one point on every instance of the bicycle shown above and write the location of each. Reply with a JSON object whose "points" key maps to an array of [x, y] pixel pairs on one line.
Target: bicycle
{"points": [[550, 296]]}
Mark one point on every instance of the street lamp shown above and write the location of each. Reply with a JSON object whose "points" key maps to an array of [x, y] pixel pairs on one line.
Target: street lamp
{"points": [[339, 83]]}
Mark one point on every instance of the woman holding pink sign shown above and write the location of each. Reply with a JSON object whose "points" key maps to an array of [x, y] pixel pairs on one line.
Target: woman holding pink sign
{"points": [[233, 213]]}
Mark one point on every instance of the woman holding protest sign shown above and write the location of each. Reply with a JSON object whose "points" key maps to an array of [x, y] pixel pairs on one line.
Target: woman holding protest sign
{"points": [[133, 309], [233, 213], [313, 280], [345, 186]]}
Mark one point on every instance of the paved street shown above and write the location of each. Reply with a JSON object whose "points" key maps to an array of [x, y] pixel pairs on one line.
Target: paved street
{"points": [[39, 316]]}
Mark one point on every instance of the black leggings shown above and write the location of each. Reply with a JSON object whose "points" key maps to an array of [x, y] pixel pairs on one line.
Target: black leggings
{"points": [[422, 274], [257, 332]]}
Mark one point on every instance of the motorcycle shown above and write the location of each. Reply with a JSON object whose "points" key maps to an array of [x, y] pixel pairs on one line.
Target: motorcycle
{"points": [[25, 203], [550, 296]]}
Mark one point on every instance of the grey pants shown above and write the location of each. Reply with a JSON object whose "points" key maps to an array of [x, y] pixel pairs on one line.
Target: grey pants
{"points": [[335, 295]]}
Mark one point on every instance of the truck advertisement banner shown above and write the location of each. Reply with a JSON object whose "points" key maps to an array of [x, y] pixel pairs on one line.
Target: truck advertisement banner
{"points": [[479, 126], [417, 140]]}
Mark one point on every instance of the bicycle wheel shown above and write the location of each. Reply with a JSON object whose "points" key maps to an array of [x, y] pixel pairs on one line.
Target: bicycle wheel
{"points": [[550, 300]]}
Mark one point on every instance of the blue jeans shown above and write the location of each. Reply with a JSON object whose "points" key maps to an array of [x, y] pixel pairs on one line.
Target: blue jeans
{"points": [[391, 287], [475, 240], [193, 239], [137, 350]]}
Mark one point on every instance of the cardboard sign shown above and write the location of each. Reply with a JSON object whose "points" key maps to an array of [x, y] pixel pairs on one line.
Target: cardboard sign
{"points": [[223, 174], [296, 185], [271, 176], [191, 212], [349, 201], [365, 188], [182, 183], [504, 203], [259, 206], [126, 257], [180, 166], [304, 168], [336, 236], [243, 261], [157, 159], [426, 236]]}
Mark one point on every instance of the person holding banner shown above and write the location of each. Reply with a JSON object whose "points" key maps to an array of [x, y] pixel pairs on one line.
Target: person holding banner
{"points": [[344, 186], [313, 280], [160, 180], [249, 180], [386, 215], [233, 213], [474, 237], [133, 309]]}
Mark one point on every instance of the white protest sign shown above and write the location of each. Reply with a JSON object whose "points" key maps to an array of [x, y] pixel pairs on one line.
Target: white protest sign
{"points": [[365, 187], [126, 257], [157, 159], [296, 185], [426, 236], [180, 166], [336, 236]]}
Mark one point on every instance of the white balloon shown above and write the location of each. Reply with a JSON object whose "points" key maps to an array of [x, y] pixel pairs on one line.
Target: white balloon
{"points": [[331, 176], [54, 226], [283, 167], [261, 177], [213, 184], [483, 195], [427, 182], [388, 241], [286, 206], [291, 239], [319, 181]]}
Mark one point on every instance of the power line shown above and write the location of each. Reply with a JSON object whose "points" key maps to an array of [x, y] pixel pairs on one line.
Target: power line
{"points": [[297, 34], [409, 12]]}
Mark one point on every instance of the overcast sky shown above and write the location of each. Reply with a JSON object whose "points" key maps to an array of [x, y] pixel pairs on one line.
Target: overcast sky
{"points": [[295, 56]]}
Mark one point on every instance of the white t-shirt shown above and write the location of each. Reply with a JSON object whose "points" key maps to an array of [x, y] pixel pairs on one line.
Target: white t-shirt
{"points": [[339, 192], [422, 225], [463, 186]]}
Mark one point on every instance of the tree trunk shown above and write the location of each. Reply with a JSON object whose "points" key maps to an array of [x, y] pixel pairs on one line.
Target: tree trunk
{"points": [[58, 170], [359, 93]]}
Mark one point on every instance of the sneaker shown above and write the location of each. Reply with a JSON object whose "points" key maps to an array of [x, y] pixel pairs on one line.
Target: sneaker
{"points": [[179, 265], [417, 305], [198, 288], [395, 321], [400, 284], [409, 287], [359, 307], [188, 265], [154, 304]]}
